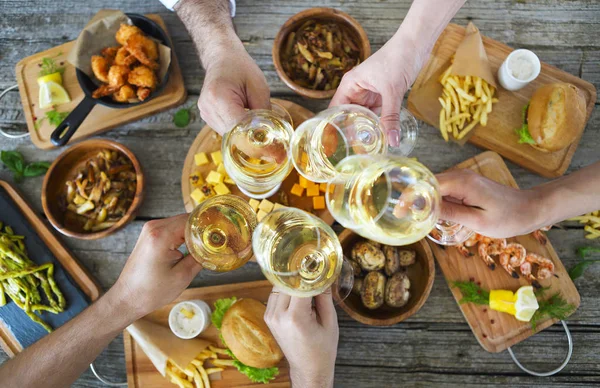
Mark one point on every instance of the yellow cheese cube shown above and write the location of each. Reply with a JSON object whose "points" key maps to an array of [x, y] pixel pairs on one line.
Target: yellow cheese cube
{"points": [[323, 187], [266, 205], [216, 157], [221, 169], [229, 181], [221, 189], [297, 190], [312, 190], [196, 179], [198, 196], [260, 215], [200, 159], [214, 178], [303, 182], [254, 204], [278, 206], [319, 202]]}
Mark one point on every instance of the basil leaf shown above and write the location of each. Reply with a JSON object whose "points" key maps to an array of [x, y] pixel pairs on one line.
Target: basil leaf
{"points": [[13, 160], [580, 268], [182, 117], [36, 169]]}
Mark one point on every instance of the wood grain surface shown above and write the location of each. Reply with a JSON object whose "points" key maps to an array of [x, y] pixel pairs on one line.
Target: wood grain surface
{"points": [[499, 135], [435, 347], [497, 331], [142, 373], [101, 118]]}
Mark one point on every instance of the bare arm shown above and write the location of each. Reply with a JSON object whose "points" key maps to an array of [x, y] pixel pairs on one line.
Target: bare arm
{"points": [[154, 275], [232, 81]]}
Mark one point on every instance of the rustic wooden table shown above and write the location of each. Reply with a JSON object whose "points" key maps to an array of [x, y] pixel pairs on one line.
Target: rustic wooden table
{"points": [[434, 347]]}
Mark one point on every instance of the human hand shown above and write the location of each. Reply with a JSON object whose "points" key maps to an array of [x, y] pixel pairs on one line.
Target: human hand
{"points": [[156, 272], [307, 335], [487, 207], [380, 82], [232, 83]]}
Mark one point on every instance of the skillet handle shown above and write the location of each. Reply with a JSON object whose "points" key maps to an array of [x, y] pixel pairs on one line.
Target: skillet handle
{"points": [[72, 122]]}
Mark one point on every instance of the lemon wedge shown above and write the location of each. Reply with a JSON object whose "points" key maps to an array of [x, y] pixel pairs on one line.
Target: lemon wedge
{"points": [[52, 93], [503, 301], [54, 77], [526, 303]]}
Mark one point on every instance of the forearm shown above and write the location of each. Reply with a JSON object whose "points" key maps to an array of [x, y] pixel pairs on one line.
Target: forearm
{"points": [[210, 26], [300, 380], [58, 359], [569, 196]]}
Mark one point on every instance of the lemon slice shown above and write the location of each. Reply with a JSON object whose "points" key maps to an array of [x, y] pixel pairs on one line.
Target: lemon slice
{"points": [[54, 77], [52, 93], [526, 303], [503, 301]]}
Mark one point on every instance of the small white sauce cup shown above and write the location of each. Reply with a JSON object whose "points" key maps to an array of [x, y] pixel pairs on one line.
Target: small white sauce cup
{"points": [[510, 82], [201, 307]]}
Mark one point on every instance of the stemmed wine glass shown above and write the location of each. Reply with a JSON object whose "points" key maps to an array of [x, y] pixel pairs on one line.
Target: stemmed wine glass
{"points": [[301, 254], [320, 143], [389, 199]]}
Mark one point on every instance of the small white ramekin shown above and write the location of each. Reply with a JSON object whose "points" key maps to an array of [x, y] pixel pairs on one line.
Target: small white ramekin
{"points": [[204, 309], [508, 81]]}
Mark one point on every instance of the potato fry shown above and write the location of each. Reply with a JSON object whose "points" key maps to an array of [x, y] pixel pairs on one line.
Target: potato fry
{"points": [[478, 110], [445, 75], [468, 129], [460, 91], [454, 97], [458, 117], [442, 103], [483, 118], [478, 89], [176, 379], [454, 130], [443, 124], [204, 376], [210, 371], [219, 362], [198, 379]]}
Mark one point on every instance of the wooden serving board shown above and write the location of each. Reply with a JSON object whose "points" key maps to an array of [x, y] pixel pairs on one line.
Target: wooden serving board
{"points": [[209, 141], [142, 373], [494, 330], [101, 118], [63, 256], [499, 135]]}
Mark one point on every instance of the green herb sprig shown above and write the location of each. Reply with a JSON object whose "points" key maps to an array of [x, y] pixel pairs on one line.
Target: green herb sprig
{"points": [[14, 161], [554, 307], [472, 293], [49, 66], [578, 270]]}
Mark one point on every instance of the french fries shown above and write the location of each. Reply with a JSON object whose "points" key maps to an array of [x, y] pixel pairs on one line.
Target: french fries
{"points": [[465, 101], [195, 375], [592, 221]]}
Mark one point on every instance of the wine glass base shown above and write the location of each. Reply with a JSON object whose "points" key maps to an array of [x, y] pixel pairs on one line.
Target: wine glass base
{"points": [[260, 196], [447, 233], [409, 133]]}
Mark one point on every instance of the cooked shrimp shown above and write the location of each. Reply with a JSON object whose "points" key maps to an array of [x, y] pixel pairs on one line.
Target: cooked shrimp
{"points": [[104, 90], [125, 32], [486, 248], [545, 268], [124, 58], [143, 93], [100, 67], [125, 93], [144, 49], [143, 77], [117, 76], [511, 257], [542, 239]]}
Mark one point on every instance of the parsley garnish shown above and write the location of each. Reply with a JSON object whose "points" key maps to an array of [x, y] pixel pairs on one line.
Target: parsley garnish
{"points": [[49, 66], [55, 117]]}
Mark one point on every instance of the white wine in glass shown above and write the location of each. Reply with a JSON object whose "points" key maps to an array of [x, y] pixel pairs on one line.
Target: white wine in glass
{"points": [[320, 143], [389, 199], [256, 152], [218, 233], [300, 254]]}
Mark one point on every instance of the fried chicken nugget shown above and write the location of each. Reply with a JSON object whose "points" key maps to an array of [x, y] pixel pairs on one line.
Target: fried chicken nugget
{"points": [[125, 93], [125, 32], [142, 76], [143, 49]]}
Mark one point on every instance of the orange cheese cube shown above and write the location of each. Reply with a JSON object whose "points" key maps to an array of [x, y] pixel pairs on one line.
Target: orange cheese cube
{"points": [[303, 182], [319, 202], [297, 190], [323, 187], [312, 190]]}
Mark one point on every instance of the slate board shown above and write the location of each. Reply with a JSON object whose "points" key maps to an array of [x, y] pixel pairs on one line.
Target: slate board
{"points": [[25, 331]]}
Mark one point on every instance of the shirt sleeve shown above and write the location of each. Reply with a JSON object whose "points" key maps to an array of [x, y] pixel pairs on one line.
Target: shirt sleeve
{"points": [[170, 4]]}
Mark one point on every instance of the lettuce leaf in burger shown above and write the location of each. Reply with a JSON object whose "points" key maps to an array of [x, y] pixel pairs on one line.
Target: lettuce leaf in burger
{"points": [[250, 343]]}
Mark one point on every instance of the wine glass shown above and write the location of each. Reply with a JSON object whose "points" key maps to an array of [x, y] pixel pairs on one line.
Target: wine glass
{"points": [[301, 254], [320, 143], [256, 151], [389, 199], [218, 233]]}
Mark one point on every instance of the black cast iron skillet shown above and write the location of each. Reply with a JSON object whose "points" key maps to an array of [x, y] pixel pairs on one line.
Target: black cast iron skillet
{"points": [[63, 133]]}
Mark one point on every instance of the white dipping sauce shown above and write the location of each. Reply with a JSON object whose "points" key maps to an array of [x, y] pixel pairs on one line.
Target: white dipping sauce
{"points": [[188, 319], [521, 67]]}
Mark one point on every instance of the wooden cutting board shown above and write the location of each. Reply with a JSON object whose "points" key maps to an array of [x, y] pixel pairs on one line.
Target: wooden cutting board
{"points": [[499, 135], [209, 141], [497, 331], [48, 248], [101, 118], [142, 373]]}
